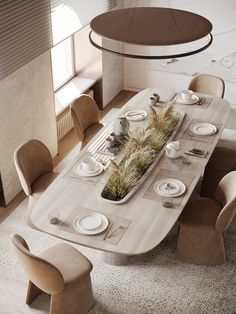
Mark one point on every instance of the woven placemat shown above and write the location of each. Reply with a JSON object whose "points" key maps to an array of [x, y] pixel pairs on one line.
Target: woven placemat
{"points": [[186, 178], [189, 135], [116, 221]]}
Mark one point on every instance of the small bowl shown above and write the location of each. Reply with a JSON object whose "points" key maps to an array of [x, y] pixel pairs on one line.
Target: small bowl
{"points": [[110, 142]]}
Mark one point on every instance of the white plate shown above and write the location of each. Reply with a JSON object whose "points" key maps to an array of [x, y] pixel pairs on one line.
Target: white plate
{"points": [[135, 114], [203, 128], [193, 101], [80, 228], [90, 222], [78, 169], [161, 187]]}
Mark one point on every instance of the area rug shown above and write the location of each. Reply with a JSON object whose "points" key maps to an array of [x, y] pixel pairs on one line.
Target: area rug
{"points": [[155, 282]]}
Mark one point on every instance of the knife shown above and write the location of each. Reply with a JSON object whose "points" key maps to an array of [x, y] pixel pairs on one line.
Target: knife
{"points": [[107, 231], [198, 151], [202, 154], [135, 114]]}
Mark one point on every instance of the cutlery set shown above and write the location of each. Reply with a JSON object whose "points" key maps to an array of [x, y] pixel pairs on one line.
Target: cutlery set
{"points": [[109, 235], [197, 152], [201, 101]]}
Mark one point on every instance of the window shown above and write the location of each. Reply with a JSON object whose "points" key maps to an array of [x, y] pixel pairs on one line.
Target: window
{"points": [[75, 64], [63, 68]]}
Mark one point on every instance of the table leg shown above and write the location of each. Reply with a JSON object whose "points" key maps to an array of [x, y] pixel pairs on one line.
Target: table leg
{"points": [[114, 259]]}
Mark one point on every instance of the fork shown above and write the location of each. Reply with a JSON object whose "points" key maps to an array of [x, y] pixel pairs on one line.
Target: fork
{"points": [[113, 233], [101, 161], [201, 102]]}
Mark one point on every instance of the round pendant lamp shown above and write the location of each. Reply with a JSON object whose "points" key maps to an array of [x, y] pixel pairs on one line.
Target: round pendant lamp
{"points": [[176, 33]]}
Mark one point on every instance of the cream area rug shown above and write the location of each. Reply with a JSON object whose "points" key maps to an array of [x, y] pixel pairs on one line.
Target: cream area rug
{"points": [[152, 283]]}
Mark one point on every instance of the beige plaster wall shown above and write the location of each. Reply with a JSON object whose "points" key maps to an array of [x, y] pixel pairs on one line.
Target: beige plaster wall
{"points": [[112, 68], [112, 72], [26, 111]]}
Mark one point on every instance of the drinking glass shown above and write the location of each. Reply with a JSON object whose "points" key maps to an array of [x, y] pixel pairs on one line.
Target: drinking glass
{"points": [[54, 217], [167, 201]]}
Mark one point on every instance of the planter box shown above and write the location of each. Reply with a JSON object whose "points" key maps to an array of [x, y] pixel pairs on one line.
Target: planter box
{"points": [[148, 171]]}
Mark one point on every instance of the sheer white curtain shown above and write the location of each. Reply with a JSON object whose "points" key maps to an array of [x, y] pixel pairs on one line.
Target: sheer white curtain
{"points": [[29, 28], [25, 33], [68, 16]]}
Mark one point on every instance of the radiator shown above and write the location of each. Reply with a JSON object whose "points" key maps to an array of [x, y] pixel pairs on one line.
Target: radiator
{"points": [[65, 122]]}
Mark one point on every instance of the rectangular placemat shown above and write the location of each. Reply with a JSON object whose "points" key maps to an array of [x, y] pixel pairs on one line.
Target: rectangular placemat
{"points": [[71, 174], [188, 135], [117, 230], [186, 178], [204, 102]]}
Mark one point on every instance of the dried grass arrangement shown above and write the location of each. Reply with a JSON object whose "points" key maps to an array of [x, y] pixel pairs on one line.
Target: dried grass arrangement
{"points": [[142, 146]]}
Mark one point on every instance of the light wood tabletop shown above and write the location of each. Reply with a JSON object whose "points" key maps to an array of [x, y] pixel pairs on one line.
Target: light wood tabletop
{"points": [[143, 221]]}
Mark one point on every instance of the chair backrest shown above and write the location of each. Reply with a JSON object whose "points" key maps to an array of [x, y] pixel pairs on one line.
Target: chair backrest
{"points": [[42, 273], [84, 112], [208, 84], [32, 159], [226, 195]]}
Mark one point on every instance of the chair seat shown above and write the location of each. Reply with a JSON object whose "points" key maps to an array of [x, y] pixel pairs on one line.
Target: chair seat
{"points": [[222, 161], [91, 131], [40, 185], [228, 139], [201, 211], [71, 263]]}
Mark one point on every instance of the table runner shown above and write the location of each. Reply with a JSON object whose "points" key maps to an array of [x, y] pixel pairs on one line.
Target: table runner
{"points": [[116, 221], [186, 178]]}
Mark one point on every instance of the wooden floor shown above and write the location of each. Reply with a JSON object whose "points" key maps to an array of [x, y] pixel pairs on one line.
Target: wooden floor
{"points": [[65, 145]]}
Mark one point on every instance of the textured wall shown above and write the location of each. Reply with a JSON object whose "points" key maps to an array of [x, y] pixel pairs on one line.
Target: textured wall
{"points": [[26, 111], [112, 72], [112, 68]]}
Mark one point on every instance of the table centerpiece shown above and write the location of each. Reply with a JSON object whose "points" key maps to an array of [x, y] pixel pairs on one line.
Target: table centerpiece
{"points": [[142, 148]]}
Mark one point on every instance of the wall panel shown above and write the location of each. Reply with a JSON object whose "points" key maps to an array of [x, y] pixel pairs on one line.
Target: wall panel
{"points": [[27, 111]]}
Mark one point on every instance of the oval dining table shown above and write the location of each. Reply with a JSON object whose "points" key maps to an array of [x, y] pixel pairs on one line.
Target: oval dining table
{"points": [[141, 223]]}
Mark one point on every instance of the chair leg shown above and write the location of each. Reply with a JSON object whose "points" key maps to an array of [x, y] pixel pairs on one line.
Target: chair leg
{"points": [[201, 245], [32, 292], [76, 298]]}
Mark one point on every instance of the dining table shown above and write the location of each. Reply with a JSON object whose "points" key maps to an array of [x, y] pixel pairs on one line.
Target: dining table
{"points": [[143, 221]]}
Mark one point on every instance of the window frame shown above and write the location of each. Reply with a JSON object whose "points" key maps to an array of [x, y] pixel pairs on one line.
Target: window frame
{"points": [[73, 63]]}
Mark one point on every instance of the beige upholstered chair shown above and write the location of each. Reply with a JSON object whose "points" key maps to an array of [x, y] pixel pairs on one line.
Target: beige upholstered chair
{"points": [[60, 271], [216, 168], [34, 166], [208, 84], [202, 222], [86, 118]]}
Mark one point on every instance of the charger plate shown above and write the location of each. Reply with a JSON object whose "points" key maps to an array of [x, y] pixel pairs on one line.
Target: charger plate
{"points": [[90, 224], [169, 187], [135, 114], [203, 128], [78, 169], [193, 101]]}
